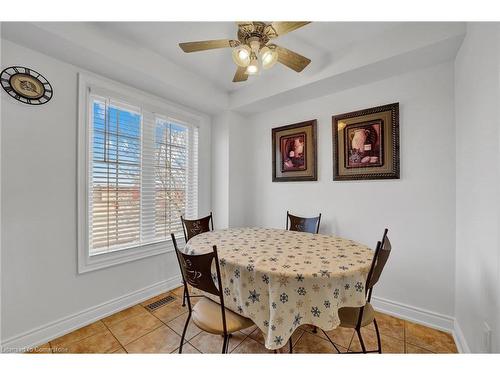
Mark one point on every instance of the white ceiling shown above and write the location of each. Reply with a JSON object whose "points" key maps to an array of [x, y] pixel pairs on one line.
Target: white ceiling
{"points": [[147, 56], [319, 41]]}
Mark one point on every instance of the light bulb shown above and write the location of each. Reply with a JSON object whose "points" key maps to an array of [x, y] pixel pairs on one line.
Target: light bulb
{"points": [[241, 55], [268, 57], [253, 67]]}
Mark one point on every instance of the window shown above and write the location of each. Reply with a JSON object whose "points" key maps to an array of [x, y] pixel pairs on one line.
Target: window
{"points": [[114, 204], [171, 155], [142, 175]]}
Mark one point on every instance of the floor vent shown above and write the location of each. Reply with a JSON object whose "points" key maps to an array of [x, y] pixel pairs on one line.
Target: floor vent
{"points": [[161, 302]]}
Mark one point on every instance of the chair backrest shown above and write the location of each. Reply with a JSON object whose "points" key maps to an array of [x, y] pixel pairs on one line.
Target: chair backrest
{"points": [[302, 224], [382, 252], [194, 227], [196, 270]]}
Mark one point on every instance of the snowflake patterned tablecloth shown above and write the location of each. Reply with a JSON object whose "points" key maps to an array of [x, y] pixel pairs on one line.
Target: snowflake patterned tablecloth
{"points": [[282, 279]]}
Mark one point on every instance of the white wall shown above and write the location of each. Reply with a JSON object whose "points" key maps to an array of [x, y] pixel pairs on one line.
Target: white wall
{"points": [[477, 95], [220, 170], [239, 172], [418, 209], [229, 164], [40, 284]]}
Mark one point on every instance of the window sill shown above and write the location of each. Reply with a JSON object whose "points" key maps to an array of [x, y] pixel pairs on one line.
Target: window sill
{"points": [[88, 263]]}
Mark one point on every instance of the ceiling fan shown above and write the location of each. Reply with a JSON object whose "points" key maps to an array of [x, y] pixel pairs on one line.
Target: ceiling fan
{"points": [[252, 49]]}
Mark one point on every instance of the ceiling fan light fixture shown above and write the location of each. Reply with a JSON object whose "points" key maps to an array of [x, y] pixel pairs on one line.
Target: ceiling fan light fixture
{"points": [[241, 55], [269, 57], [253, 67], [254, 43], [250, 50]]}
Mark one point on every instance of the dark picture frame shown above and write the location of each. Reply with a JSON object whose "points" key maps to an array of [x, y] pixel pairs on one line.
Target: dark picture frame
{"points": [[366, 144], [294, 152]]}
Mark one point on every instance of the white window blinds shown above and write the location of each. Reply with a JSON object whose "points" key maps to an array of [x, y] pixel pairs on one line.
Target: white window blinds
{"points": [[143, 175]]}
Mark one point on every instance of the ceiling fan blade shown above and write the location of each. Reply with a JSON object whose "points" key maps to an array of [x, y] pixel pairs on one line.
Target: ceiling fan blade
{"points": [[240, 75], [291, 59], [283, 28], [208, 44]]}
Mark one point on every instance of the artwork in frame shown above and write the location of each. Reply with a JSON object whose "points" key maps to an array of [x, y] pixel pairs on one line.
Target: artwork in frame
{"points": [[294, 152], [366, 144]]}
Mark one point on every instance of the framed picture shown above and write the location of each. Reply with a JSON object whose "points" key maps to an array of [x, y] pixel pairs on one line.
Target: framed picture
{"points": [[294, 152], [366, 144]]}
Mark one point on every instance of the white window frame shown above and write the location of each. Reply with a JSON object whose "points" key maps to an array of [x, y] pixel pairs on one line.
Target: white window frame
{"points": [[88, 83]]}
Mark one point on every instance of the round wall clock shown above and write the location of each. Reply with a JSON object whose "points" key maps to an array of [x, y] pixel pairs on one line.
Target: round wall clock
{"points": [[26, 85]]}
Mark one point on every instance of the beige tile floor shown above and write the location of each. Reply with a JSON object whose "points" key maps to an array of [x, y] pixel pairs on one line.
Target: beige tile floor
{"points": [[136, 330]]}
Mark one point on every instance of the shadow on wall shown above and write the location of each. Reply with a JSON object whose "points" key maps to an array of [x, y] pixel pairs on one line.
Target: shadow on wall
{"points": [[328, 226]]}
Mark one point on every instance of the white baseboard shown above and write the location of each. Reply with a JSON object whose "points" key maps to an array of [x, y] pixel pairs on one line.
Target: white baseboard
{"points": [[60, 327], [424, 317], [460, 340], [414, 314]]}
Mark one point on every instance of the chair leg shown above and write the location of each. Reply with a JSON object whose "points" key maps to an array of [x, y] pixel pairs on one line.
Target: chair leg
{"points": [[329, 339], [358, 331], [184, 297], [184, 332], [379, 343], [290, 344], [225, 344]]}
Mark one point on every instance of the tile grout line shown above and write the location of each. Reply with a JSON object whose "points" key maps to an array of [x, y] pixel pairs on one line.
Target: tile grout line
{"points": [[176, 350], [112, 334], [121, 321], [94, 334], [318, 336], [251, 338], [350, 342], [246, 336], [417, 345], [404, 337], [147, 333], [83, 338], [241, 342]]}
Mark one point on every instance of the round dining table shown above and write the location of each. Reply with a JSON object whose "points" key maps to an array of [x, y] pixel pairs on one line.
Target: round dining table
{"points": [[282, 279]]}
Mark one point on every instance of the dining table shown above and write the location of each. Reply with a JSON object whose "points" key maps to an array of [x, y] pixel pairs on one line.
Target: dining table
{"points": [[283, 279]]}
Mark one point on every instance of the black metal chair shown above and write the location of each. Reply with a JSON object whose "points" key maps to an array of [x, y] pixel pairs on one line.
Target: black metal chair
{"points": [[302, 224], [208, 315], [192, 228], [357, 317]]}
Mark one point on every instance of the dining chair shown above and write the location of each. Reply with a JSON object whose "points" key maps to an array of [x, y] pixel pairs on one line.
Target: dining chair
{"points": [[209, 316], [302, 224], [357, 317], [192, 228]]}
